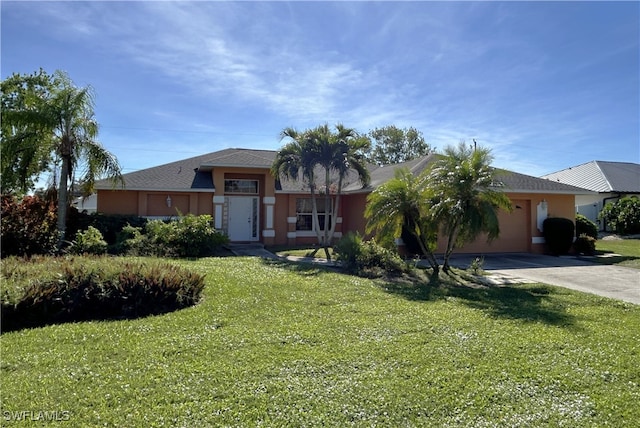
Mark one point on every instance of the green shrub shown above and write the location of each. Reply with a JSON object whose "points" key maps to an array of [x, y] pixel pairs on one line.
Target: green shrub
{"points": [[195, 236], [585, 244], [110, 225], [43, 291], [28, 226], [187, 236], [88, 242], [368, 257], [584, 226], [130, 241], [348, 250], [622, 216], [558, 234], [375, 256]]}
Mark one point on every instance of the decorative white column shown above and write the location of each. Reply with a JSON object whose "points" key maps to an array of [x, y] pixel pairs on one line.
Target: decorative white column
{"points": [[542, 213], [218, 203], [269, 202]]}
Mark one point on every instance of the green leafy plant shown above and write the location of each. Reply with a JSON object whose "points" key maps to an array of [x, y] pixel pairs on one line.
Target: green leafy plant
{"points": [[584, 226], [89, 241], [622, 216], [476, 266], [348, 249], [585, 244], [368, 258], [28, 226], [186, 236]]}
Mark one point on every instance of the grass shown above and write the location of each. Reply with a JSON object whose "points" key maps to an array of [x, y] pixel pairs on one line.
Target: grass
{"points": [[627, 252], [277, 344]]}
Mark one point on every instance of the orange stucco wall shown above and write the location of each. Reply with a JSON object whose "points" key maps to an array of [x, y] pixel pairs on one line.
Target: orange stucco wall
{"points": [[118, 202], [144, 203], [518, 229]]}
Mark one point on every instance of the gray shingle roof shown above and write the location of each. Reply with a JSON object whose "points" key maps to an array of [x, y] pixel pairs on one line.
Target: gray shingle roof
{"points": [[194, 174], [601, 176], [241, 158]]}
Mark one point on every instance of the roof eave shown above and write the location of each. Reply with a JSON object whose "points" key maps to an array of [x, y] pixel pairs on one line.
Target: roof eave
{"points": [[163, 189]]}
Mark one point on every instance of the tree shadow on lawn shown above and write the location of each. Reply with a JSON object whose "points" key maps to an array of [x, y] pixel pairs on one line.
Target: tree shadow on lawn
{"points": [[527, 303], [301, 268], [611, 258]]}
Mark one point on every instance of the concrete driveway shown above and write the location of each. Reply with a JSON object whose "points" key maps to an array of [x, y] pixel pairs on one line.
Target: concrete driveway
{"points": [[567, 271]]}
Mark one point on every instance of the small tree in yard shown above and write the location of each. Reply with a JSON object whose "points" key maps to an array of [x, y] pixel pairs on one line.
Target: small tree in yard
{"points": [[456, 196], [403, 202], [334, 154], [467, 202]]}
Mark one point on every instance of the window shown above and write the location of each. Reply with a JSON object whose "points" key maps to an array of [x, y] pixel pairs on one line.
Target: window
{"points": [[246, 187], [304, 213]]}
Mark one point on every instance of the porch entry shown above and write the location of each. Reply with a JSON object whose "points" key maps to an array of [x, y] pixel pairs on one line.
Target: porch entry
{"points": [[243, 218]]}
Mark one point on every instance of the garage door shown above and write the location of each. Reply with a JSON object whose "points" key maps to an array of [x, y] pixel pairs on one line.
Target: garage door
{"points": [[514, 233]]}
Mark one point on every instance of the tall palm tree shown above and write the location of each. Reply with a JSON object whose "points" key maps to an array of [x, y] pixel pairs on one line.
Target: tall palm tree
{"points": [[72, 111], [467, 201], [334, 155], [403, 203], [339, 154]]}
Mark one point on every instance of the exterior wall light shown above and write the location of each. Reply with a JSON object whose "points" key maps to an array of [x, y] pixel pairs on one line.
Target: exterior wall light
{"points": [[169, 201]]}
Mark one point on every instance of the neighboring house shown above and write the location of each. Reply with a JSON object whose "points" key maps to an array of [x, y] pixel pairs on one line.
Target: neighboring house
{"points": [[236, 187], [611, 181], [88, 204]]}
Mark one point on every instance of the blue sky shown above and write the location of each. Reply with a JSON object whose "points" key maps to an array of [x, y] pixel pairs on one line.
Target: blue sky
{"points": [[545, 85]]}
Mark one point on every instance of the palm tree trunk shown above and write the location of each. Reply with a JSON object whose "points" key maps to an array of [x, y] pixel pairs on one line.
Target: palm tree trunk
{"points": [[315, 223], [63, 197], [451, 243], [429, 256]]}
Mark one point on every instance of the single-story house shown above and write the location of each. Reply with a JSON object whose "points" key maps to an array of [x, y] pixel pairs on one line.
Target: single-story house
{"points": [[609, 181], [236, 187]]}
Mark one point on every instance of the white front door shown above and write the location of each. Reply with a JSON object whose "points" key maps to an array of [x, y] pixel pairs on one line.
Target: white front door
{"points": [[243, 218]]}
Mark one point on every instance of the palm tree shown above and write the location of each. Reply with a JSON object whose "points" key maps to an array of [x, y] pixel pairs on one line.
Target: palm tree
{"points": [[467, 201], [72, 111], [335, 155], [339, 154], [403, 203]]}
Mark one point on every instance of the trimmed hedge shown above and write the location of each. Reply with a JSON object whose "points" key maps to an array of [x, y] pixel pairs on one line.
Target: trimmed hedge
{"points": [[49, 290], [558, 234]]}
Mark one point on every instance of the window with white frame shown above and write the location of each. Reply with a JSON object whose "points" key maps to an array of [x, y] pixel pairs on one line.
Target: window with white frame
{"points": [[304, 213], [245, 187]]}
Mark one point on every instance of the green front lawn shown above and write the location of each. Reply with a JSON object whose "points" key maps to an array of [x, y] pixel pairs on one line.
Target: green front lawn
{"points": [[627, 252], [274, 344]]}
